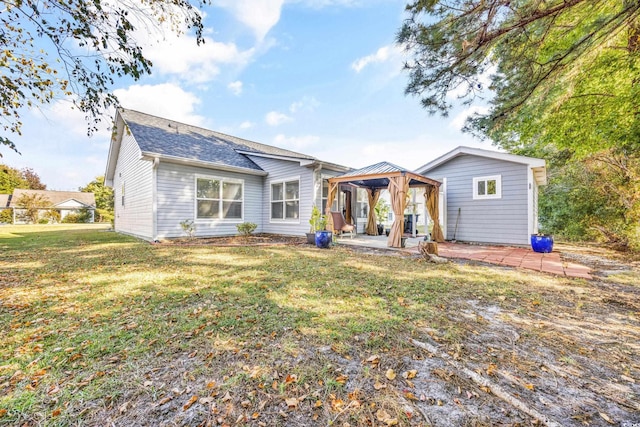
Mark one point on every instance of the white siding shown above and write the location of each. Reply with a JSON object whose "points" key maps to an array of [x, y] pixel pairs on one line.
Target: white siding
{"points": [[176, 189], [504, 220], [136, 216], [279, 170]]}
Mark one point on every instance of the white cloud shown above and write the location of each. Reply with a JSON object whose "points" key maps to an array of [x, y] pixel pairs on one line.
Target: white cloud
{"points": [[259, 15], [458, 121], [295, 142], [275, 118], [181, 56], [235, 87], [164, 100], [247, 124], [308, 103], [72, 119], [389, 53]]}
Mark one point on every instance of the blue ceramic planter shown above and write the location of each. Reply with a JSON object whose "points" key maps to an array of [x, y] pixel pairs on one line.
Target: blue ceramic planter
{"points": [[541, 243], [323, 239]]}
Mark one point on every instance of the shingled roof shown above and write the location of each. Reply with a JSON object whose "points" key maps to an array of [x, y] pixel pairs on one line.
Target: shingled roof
{"points": [[4, 200], [164, 137], [55, 197]]}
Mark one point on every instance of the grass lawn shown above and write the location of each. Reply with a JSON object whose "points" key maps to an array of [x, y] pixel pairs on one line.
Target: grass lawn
{"points": [[103, 329]]}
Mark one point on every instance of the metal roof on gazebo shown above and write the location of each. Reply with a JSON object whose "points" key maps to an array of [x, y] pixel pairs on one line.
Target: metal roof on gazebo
{"points": [[377, 176]]}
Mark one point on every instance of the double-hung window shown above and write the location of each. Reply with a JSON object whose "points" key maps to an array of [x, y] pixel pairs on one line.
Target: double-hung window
{"points": [[285, 200], [487, 187], [219, 198]]}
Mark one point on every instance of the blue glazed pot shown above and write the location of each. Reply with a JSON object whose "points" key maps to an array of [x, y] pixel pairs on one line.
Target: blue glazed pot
{"points": [[323, 239], [541, 243]]}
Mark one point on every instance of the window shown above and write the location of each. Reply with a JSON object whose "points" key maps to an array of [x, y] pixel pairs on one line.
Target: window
{"points": [[362, 203], [285, 200], [325, 197], [218, 198], [487, 187]]}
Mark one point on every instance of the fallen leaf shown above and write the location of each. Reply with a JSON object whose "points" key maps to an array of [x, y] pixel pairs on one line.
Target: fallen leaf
{"points": [[410, 395], [292, 402], [391, 374], [205, 400], [291, 379], [56, 412], [382, 415], [191, 401], [318, 404], [341, 379], [378, 385], [255, 415], [529, 386], [492, 369], [409, 374], [148, 383], [123, 408], [606, 417]]}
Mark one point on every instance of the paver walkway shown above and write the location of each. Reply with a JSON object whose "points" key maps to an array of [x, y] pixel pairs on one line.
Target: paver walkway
{"points": [[519, 257], [515, 257]]}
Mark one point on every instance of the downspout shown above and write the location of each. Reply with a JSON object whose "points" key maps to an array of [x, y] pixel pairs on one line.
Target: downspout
{"points": [[154, 198]]}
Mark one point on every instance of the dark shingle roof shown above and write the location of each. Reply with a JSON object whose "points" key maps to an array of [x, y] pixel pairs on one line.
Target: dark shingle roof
{"points": [[170, 138]]}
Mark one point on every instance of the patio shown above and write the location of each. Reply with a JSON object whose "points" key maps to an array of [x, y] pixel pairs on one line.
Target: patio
{"points": [[509, 256]]}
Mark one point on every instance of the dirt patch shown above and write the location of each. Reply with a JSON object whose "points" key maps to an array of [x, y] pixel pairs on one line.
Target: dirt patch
{"points": [[252, 240]]}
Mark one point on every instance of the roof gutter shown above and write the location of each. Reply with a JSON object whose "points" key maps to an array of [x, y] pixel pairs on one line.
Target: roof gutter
{"points": [[199, 163]]}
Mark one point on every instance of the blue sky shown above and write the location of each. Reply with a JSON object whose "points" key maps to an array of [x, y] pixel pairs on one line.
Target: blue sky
{"points": [[322, 77]]}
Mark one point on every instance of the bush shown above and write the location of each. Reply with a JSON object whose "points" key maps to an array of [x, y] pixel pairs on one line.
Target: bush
{"points": [[189, 227], [71, 218], [6, 215], [246, 228], [104, 215], [52, 216]]}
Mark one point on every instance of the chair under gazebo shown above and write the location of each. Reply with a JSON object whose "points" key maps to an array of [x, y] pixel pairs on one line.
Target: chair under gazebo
{"points": [[387, 176]]}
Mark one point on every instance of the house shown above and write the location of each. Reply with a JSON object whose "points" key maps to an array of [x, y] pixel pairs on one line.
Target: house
{"points": [[487, 196], [164, 173], [62, 202]]}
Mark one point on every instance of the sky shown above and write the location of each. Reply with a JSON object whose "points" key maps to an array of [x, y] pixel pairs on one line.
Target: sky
{"points": [[321, 77]]}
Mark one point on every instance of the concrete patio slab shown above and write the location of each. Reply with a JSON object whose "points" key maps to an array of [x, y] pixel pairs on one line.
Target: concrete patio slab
{"points": [[518, 257]]}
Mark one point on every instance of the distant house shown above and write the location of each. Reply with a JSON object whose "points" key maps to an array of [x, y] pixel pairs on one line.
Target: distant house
{"points": [[164, 172], [63, 202], [487, 196]]}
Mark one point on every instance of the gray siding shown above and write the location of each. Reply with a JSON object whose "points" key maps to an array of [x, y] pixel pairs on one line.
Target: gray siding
{"points": [[279, 170], [135, 217], [504, 220], [176, 186]]}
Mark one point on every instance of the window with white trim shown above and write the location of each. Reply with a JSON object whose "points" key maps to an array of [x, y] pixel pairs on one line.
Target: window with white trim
{"points": [[219, 198], [362, 203], [487, 187], [285, 200]]}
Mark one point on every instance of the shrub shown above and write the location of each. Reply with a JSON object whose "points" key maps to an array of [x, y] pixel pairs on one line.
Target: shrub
{"points": [[71, 218], [6, 215], [189, 227], [246, 228], [52, 216], [43, 221], [104, 215]]}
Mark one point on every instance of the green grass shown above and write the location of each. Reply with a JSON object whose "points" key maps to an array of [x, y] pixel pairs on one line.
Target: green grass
{"points": [[93, 321]]}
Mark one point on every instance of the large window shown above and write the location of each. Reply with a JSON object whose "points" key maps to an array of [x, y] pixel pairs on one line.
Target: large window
{"points": [[285, 200], [487, 187], [218, 198]]}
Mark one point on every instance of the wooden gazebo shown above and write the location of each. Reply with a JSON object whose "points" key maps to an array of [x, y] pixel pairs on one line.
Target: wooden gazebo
{"points": [[397, 180]]}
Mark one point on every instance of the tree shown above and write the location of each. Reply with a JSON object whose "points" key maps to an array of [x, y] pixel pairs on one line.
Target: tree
{"points": [[11, 178], [33, 179], [564, 72], [104, 198], [31, 204], [54, 48], [565, 87]]}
